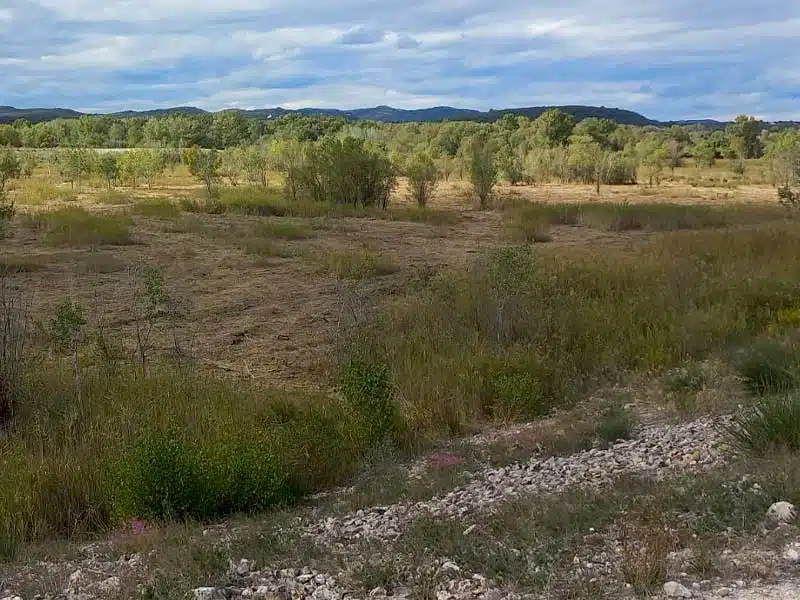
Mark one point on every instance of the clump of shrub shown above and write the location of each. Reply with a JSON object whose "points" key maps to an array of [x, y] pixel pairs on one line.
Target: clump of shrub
{"points": [[770, 365], [768, 425]]}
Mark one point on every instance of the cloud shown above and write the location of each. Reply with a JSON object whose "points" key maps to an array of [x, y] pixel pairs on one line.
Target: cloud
{"points": [[667, 59]]}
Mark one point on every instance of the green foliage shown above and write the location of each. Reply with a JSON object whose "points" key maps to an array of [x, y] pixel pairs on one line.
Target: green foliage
{"points": [[66, 327], [108, 167], [347, 171], [768, 425], [704, 153], [770, 365], [204, 165], [356, 264], [525, 331], [368, 391], [652, 158], [75, 164], [422, 178], [483, 173], [616, 424], [744, 134], [75, 226], [10, 168], [553, 128]]}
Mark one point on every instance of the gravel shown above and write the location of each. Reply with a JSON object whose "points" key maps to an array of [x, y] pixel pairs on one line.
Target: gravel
{"points": [[656, 451]]}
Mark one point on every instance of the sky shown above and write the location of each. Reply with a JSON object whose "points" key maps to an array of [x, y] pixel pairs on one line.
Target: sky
{"points": [[667, 59]]}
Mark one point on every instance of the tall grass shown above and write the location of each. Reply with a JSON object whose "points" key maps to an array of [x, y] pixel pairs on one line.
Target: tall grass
{"points": [[174, 444], [619, 217], [768, 426], [75, 226], [523, 331]]}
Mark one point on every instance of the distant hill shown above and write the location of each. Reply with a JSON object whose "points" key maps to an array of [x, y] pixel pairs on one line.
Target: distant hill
{"points": [[9, 114], [386, 114]]}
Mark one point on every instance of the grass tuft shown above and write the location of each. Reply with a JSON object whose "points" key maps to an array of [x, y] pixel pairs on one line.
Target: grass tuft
{"points": [[75, 226], [768, 426]]}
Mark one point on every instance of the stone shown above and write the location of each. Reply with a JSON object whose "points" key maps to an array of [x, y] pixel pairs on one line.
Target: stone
{"points": [[673, 589], [75, 580], [781, 512], [207, 593], [450, 566], [262, 592], [377, 592], [243, 568], [323, 592], [108, 586], [792, 552]]}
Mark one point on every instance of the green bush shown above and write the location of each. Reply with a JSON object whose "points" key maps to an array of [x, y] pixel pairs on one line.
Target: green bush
{"points": [[348, 171], [770, 366], [367, 389], [768, 426], [617, 424]]}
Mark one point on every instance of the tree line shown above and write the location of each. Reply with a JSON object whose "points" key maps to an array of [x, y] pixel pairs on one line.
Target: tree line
{"points": [[330, 158]]}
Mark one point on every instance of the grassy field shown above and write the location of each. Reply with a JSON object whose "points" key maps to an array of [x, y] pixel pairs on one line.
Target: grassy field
{"points": [[171, 357]]}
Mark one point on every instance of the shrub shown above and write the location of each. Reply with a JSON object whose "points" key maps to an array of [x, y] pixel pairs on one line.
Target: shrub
{"points": [[483, 172], [367, 389], [347, 171], [160, 209], [75, 226], [617, 424], [12, 352], [770, 365], [422, 178], [767, 426]]}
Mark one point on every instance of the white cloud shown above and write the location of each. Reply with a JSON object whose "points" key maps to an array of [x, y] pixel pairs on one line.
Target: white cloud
{"points": [[667, 58]]}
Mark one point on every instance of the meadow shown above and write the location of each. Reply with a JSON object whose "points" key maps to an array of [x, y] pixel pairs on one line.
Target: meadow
{"points": [[180, 358]]}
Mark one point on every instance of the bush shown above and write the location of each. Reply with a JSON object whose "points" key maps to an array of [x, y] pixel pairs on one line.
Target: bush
{"points": [[483, 172], [422, 178], [768, 426], [617, 424], [348, 171], [770, 366], [356, 264], [368, 390]]}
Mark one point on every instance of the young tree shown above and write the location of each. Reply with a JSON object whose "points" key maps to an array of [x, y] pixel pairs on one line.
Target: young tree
{"points": [[255, 164], [704, 153], [108, 167], [231, 165], [422, 178], [75, 163], [483, 173], [674, 150], [151, 164], [204, 165], [10, 168], [288, 157], [131, 168], [745, 136], [652, 158]]}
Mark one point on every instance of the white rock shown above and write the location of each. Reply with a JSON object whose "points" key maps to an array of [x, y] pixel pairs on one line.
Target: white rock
{"points": [[792, 552], [108, 586], [450, 566], [377, 592], [12, 598], [262, 591], [75, 580], [673, 589], [206, 593], [244, 567], [781, 512], [324, 593]]}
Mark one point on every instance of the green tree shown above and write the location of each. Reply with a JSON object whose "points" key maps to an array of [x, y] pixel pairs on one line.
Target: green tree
{"points": [[108, 167], [652, 158], [553, 128], [288, 157], [255, 162], [422, 178], [75, 163], [483, 173], [204, 165], [704, 153], [745, 136], [600, 131], [10, 168]]}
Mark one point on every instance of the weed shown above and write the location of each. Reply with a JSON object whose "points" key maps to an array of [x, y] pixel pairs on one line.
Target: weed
{"points": [[159, 209], [646, 544], [76, 227], [356, 264], [768, 425], [770, 365], [616, 424], [113, 198]]}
